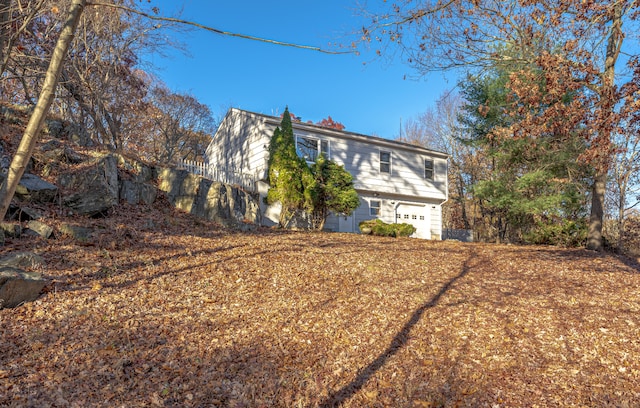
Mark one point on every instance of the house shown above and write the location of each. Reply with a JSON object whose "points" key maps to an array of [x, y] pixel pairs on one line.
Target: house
{"points": [[396, 182]]}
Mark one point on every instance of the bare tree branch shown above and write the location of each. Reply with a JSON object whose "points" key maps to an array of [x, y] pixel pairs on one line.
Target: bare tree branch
{"points": [[215, 30]]}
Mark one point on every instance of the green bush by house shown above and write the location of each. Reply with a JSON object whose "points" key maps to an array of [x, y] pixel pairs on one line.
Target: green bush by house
{"points": [[377, 227]]}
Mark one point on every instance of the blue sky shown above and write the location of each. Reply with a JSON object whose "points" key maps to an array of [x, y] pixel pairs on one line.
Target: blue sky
{"points": [[366, 94]]}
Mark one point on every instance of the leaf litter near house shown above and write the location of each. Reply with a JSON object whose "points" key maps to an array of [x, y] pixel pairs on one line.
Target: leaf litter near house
{"points": [[160, 309]]}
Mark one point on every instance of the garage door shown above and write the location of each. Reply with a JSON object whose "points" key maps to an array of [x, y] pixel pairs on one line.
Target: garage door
{"points": [[416, 215]]}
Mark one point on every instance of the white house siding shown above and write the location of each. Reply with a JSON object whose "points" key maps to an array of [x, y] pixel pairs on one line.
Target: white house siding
{"points": [[242, 141], [407, 168]]}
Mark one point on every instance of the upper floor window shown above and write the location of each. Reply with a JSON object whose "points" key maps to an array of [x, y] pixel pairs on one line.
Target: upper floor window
{"points": [[428, 169], [385, 162], [309, 148]]}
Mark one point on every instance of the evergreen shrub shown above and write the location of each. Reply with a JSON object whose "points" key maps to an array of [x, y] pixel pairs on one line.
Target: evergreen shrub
{"points": [[566, 233], [383, 229]]}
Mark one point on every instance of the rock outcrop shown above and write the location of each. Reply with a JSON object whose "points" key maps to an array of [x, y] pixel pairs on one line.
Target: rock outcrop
{"points": [[209, 200], [16, 285], [94, 186]]}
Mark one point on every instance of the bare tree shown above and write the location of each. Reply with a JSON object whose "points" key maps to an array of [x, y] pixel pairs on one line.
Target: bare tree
{"points": [[576, 45], [5, 14], [100, 76], [17, 26], [30, 137], [181, 127], [624, 174], [52, 76], [439, 129]]}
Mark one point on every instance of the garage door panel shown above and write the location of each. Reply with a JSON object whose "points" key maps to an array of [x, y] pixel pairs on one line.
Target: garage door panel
{"points": [[417, 216]]}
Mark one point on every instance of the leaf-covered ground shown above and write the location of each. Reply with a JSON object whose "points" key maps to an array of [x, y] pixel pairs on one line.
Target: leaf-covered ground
{"points": [[162, 310]]}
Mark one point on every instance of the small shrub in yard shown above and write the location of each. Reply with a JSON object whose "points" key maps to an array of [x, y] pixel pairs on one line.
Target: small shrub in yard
{"points": [[377, 227]]}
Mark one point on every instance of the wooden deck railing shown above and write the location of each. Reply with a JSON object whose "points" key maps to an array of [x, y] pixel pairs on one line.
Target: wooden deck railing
{"points": [[220, 174]]}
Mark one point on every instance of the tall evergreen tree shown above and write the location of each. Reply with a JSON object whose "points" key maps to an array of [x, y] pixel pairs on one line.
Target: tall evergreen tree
{"points": [[536, 191], [290, 177], [316, 191]]}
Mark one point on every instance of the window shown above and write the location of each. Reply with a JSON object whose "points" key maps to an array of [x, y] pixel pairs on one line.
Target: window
{"points": [[385, 162], [406, 216], [324, 148], [428, 169], [374, 207], [414, 217], [308, 148]]}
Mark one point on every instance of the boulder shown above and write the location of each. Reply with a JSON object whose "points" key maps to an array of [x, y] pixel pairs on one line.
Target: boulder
{"points": [[136, 183], [52, 153], [141, 172], [54, 127], [224, 203], [22, 260], [76, 232], [135, 192], [67, 130], [10, 230], [33, 188], [16, 285], [25, 213], [180, 186], [94, 189], [39, 228]]}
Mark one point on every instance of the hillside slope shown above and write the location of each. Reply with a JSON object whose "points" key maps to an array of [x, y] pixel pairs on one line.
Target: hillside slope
{"points": [[160, 309]]}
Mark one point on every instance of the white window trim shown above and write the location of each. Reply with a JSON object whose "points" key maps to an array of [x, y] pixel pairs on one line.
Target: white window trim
{"points": [[380, 162], [373, 209], [433, 169], [318, 145]]}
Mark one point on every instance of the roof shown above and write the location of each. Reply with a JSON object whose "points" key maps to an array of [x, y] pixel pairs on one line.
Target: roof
{"points": [[347, 135]]}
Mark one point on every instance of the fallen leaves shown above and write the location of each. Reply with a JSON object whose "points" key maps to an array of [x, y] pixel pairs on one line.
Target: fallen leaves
{"points": [[192, 315]]}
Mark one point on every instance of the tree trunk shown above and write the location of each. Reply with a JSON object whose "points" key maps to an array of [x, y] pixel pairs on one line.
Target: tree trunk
{"points": [[32, 132], [463, 205], [4, 32], [607, 103], [594, 238]]}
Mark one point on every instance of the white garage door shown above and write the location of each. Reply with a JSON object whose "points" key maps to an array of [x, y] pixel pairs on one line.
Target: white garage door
{"points": [[416, 215]]}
